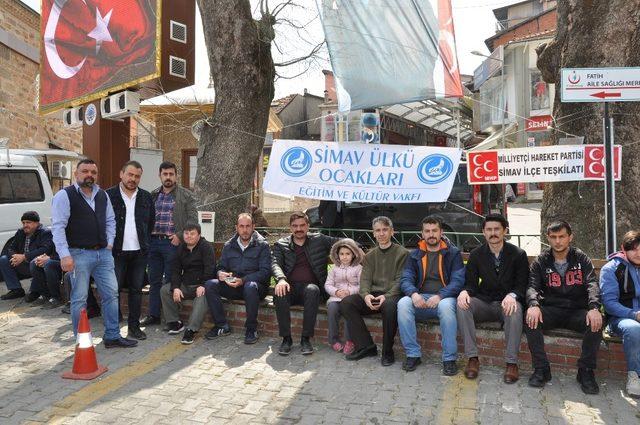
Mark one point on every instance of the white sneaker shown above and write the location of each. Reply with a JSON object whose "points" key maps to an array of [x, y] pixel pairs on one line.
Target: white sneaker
{"points": [[633, 384]]}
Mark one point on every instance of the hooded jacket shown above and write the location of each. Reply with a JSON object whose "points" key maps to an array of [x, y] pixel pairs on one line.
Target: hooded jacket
{"points": [[577, 289], [251, 265], [620, 287], [344, 277], [450, 270]]}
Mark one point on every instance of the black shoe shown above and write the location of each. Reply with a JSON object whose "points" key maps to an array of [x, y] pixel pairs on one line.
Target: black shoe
{"points": [[285, 347], [13, 294], [388, 359], [40, 301], [52, 303], [120, 342], [305, 346], [587, 381], [216, 331], [149, 320], [539, 377], [66, 309], [449, 368], [370, 351], [250, 337], [136, 332], [31, 297], [411, 363], [188, 336], [175, 327]]}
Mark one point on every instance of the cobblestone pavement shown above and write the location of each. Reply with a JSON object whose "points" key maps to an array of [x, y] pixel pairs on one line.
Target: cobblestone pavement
{"points": [[162, 381]]}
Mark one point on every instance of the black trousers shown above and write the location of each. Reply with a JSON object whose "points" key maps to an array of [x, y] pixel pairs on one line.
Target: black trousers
{"points": [[353, 308], [130, 267], [575, 320], [307, 295]]}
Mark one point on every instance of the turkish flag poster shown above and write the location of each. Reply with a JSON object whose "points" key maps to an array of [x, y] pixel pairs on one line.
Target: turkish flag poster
{"points": [[93, 47]]}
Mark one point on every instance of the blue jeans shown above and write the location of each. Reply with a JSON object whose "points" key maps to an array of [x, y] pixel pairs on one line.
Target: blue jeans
{"points": [[408, 314], [12, 275], [629, 330], [250, 292], [99, 264], [161, 258], [46, 279]]}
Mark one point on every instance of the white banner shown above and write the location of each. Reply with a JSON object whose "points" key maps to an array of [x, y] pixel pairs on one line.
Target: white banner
{"points": [[354, 172], [541, 164]]}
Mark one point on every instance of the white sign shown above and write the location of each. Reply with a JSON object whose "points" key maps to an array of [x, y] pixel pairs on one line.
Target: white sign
{"points": [[90, 114], [361, 173], [600, 84], [540, 164]]}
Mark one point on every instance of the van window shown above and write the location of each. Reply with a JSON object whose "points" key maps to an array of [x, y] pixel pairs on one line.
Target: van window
{"points": [[20, 186]]}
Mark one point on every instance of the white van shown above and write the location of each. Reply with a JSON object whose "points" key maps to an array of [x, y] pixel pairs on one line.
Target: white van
{"points": [[24, 186]]}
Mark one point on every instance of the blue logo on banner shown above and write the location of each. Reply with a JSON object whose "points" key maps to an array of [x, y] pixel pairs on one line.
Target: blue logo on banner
{"points": [[434, 169], [296, 162]]}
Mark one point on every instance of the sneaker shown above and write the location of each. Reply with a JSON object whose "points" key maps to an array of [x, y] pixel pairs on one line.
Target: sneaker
{"points": [[349, 347], [175, 327], [52, 303], [285, 347], [216, 331], [411, 363], [449, 368], [587, 380], [13, 294], [149, 320], [31, 297], [66, 309], [188, 336], [305, 346], [540, 377], [136, 332], [337, 347], [370, 351], [39, 301], [633, 384], [250, 337]]}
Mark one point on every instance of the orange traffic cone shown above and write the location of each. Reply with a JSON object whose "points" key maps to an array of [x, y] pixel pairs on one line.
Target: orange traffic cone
{"points": [[85, 363]]}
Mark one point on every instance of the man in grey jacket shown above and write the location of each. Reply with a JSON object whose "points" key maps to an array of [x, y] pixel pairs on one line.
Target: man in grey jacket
{"points": [[174, 207]]}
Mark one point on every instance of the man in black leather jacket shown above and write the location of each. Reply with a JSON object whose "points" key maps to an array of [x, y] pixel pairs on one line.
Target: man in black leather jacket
{"points": [[299, 265]]}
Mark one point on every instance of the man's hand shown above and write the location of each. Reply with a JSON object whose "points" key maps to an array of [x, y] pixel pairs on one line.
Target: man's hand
{"points": [[380, 299], [509, 305], [342, 293], [175, 240], [223, 275], [367, 300], [594, 320], [67, 264], [464, 300], [534, 317], [418, 300], [282, 288], [177, 295], [433, 301], [41, 260], [17, 259], [199, 291], [236, 283], [638, 316]]}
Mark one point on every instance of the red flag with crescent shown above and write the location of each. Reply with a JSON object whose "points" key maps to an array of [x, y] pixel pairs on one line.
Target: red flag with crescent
{"points": [[91, 47]]}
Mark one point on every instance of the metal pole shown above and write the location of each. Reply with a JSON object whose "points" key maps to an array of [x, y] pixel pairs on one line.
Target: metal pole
{"points": [[609, 184], [504, 102]]}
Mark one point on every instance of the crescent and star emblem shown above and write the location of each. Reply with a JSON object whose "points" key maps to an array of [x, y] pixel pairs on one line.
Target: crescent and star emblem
{"points": [[100, 33]]}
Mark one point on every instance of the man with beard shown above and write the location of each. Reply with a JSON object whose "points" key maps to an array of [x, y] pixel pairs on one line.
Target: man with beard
{"points": [[497, 274], [135, 217], [84, 228], [431, 281], [174, 207], [563, 292], [244, 271]]}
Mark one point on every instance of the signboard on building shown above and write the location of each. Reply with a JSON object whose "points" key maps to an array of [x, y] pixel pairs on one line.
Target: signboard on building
{"points": [[356, 172], [91, 49], [540, 164], [538, 123], [600, 84]]}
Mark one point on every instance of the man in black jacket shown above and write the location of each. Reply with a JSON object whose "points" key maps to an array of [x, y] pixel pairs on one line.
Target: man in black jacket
{"points": [[496, 280], [28, 243], [299, 264], [135, 216], [563, 292], [195, 264]]}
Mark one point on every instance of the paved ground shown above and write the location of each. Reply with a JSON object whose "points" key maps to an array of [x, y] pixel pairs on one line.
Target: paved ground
{"points": [[524, 219], [224, 381]]}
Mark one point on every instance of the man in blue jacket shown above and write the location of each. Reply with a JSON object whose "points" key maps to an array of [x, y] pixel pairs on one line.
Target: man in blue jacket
{"points": [[244, 271], [620, 289], [432, 279]]}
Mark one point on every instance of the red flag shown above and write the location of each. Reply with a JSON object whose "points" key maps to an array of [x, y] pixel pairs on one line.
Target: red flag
{"points": [[92, 46]]}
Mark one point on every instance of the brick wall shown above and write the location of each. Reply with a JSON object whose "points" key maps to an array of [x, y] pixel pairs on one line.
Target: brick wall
{"points": [[19, 118]]}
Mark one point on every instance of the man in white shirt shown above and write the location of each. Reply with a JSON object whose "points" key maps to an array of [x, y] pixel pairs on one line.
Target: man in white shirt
{"points": [[135, 216]]}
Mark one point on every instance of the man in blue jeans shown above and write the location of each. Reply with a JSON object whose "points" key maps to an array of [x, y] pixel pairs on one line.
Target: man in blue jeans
{"points": [[432, 279], [244, 271], [83, 232], [620, 288]]}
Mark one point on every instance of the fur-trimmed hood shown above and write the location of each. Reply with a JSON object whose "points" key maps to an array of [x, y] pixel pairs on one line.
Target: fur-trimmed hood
{"points": [[358, 254]]}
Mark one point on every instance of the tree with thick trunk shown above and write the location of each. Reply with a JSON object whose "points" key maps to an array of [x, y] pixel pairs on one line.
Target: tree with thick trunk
{"points": [[593, 33]]}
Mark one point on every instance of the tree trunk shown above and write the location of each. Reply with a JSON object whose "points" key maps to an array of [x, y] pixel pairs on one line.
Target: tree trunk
{"points": [[594, 33], [239, 51]]}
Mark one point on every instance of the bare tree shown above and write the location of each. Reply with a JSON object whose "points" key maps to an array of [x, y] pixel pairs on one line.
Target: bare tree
{"points": [[594, 34]]}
